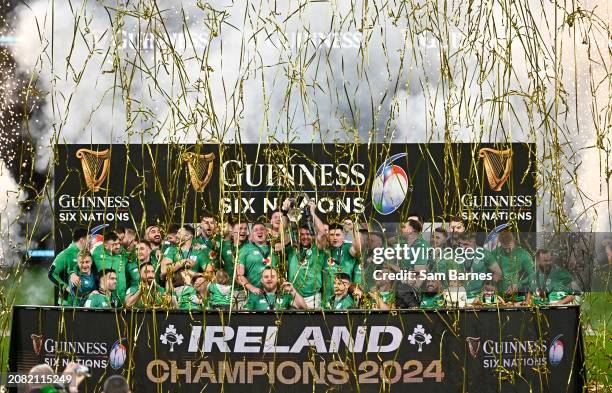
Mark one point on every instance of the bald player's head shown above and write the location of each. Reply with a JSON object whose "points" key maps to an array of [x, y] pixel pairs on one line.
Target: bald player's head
{"points": [[116, 384], [40, 370]]}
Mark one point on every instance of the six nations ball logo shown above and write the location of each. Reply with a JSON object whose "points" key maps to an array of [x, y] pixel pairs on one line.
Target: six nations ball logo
{"points": [[117, 355], [555, 352], [515, 353], [390, 186], [93, 354]]}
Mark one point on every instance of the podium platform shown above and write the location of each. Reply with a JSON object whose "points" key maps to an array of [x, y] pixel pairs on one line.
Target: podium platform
{"points": [[489, 350]]}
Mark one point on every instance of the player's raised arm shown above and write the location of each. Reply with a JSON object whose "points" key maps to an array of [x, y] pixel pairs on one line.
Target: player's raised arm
{"points": [[321, 235], [355, 249]]}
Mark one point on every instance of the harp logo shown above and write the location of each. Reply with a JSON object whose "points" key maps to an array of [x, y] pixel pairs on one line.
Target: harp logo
{"points": [[200, 168], [497, 165], [390, 186], [95, 167], [473, 345], [37, 340]]}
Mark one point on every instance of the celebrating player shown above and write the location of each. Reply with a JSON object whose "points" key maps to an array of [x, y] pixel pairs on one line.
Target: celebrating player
{"points": [[270, 298], [518, 270], [342, 299], [230, 249], [370, 241], [154, 236], [554, 284], [305, 266], [439, 237], [276, 226], [147, 293], [87, 281], [109, 256], [106, 295], [171, 237], [341, 257], [254, 257], [185, 255], [66, 262], [383, 290], [128, 242], [412, 235], [209, 240]]}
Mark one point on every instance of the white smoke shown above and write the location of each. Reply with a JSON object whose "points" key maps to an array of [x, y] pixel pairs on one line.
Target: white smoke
{"points": [[250, 74], [10, 228]]}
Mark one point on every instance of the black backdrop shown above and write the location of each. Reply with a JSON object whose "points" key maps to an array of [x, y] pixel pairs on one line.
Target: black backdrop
{"points": [[150, 182]]}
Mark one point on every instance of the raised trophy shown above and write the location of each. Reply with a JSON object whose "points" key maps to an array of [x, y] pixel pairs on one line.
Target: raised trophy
{"points": [[295, 213], [307, 217]]}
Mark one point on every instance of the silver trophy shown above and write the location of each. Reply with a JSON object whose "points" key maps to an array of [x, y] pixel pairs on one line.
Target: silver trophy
{"points": [[294, 214]]}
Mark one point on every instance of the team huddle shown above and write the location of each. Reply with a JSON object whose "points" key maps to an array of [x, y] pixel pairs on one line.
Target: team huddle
{"points": [[277, 266]]}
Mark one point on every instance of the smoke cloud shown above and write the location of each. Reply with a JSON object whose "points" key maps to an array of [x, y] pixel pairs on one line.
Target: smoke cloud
{"points": [[11, 240], [155, 71]]}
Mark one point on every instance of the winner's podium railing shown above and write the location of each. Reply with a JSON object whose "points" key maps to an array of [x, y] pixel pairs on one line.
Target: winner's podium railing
{"points": [[445, 350]]}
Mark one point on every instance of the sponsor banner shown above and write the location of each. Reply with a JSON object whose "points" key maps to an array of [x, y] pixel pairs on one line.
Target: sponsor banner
{"points": [[437, 351], [131, 185]]}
